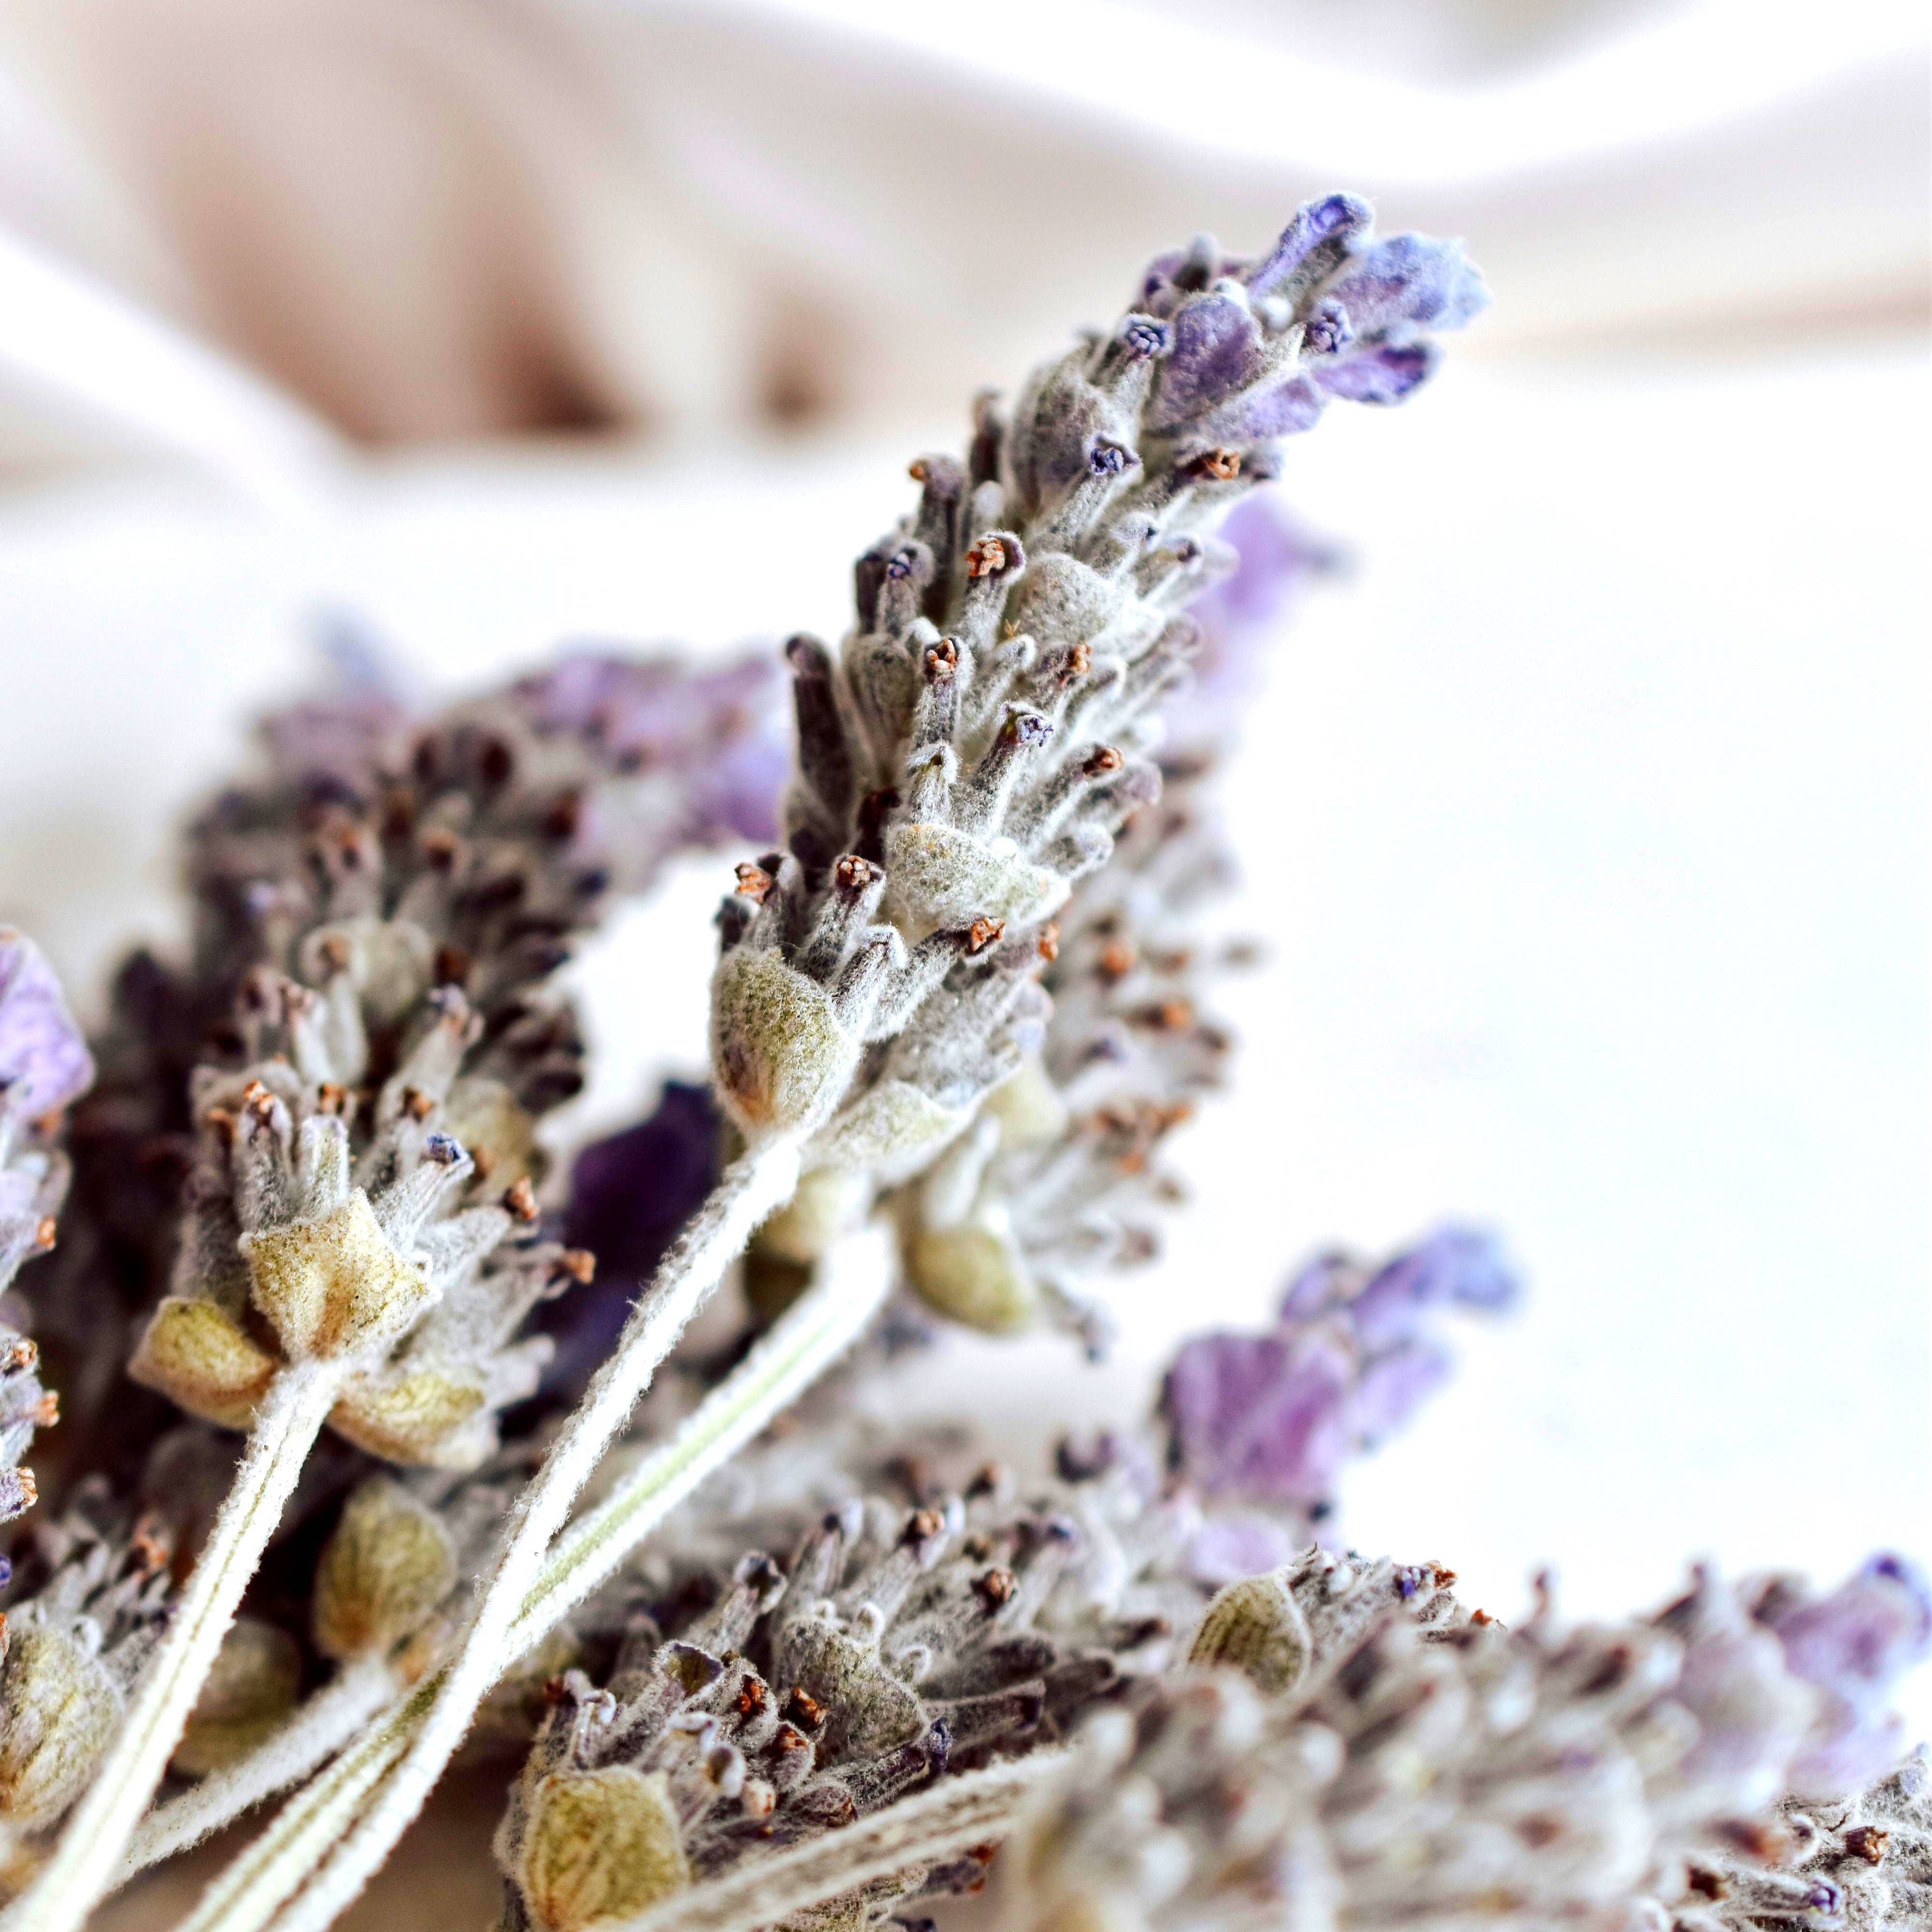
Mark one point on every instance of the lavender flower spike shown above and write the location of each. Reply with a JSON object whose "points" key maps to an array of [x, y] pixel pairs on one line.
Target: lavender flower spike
{"points": [[1261, 346], [44, 1065]]}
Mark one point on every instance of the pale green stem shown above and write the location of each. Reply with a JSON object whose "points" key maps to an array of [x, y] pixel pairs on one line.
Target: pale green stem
{"points": [[87, 1860], [923, 1830], [847, 1291], [312, 1735]]}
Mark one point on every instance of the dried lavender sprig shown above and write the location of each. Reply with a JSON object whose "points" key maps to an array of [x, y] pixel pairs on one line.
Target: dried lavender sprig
{"points": [[312, 1735], [44, 1067], [985, 834], [899, 1644], [332, 1218], [1423, 1771], [84, 1863], [820, 1325], [440, 868]]}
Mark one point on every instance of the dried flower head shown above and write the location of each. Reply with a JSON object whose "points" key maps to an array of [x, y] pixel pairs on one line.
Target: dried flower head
{"points": [[96, 1585], [1412, 1765], [984, 733], [366, 1152], [756, 1707]]}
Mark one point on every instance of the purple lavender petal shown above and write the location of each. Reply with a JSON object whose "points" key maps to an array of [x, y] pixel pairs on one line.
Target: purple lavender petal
{"points": [[44, 1063], [1394, 1386], [347, 739], [1857, 1640], [1241, 616], [1280, 556], [1458, 1264], [722, 733], [1409, 282], [1382, 374], [1846, 1750], [1216, 351], [1234, 1543], [1854, 1644], [1327, 331], [1259, 1416], [1315, 1288], [1751, 1718], [1288, 409], [1332, 220], [630, 1193]]}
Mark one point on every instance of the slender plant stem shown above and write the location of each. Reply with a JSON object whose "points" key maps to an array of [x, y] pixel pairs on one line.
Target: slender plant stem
{"points": [[247, 1891], [929, 1826], [88, 1858], [312, 1736], [850, 1284]]}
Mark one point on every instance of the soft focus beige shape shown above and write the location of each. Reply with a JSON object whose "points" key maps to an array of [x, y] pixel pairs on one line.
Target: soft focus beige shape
{"points": [[827, 1201], [498, 1135], [388, 1563], [891, 1131], [976, 1276], [421, 1418], [600, 1846], [248, 1694], [939, 879], [1027, 1106], [781, 1059], [334, 1286], [390, 961], [199, 1358], [58, 1707], [1255, 1626]]}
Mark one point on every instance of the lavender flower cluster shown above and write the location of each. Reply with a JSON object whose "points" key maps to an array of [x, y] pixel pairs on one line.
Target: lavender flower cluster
{"points": [[384, 1437]]}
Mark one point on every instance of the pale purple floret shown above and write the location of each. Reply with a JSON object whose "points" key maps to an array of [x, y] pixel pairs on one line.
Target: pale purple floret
{"points": [[1752, 1718], [630, 1193], [1260, 1416], [345, 740], [1463, 1266], [720, 732], [1854, 1644], [1242, 614], [1260, 347], [44, 1063], [1272, 1418]]}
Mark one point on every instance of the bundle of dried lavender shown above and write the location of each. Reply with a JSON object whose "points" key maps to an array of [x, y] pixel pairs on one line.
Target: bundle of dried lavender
{"points": [[960, 1003]]}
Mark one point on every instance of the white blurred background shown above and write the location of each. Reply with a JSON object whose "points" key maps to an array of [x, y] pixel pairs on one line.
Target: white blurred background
{"points": [[1587, 825]]}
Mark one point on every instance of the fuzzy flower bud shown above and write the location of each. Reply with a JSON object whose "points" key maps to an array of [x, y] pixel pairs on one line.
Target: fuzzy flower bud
{"points": [[248, 1696], [389, 1563], [309, 1240], [74, 1647]]}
